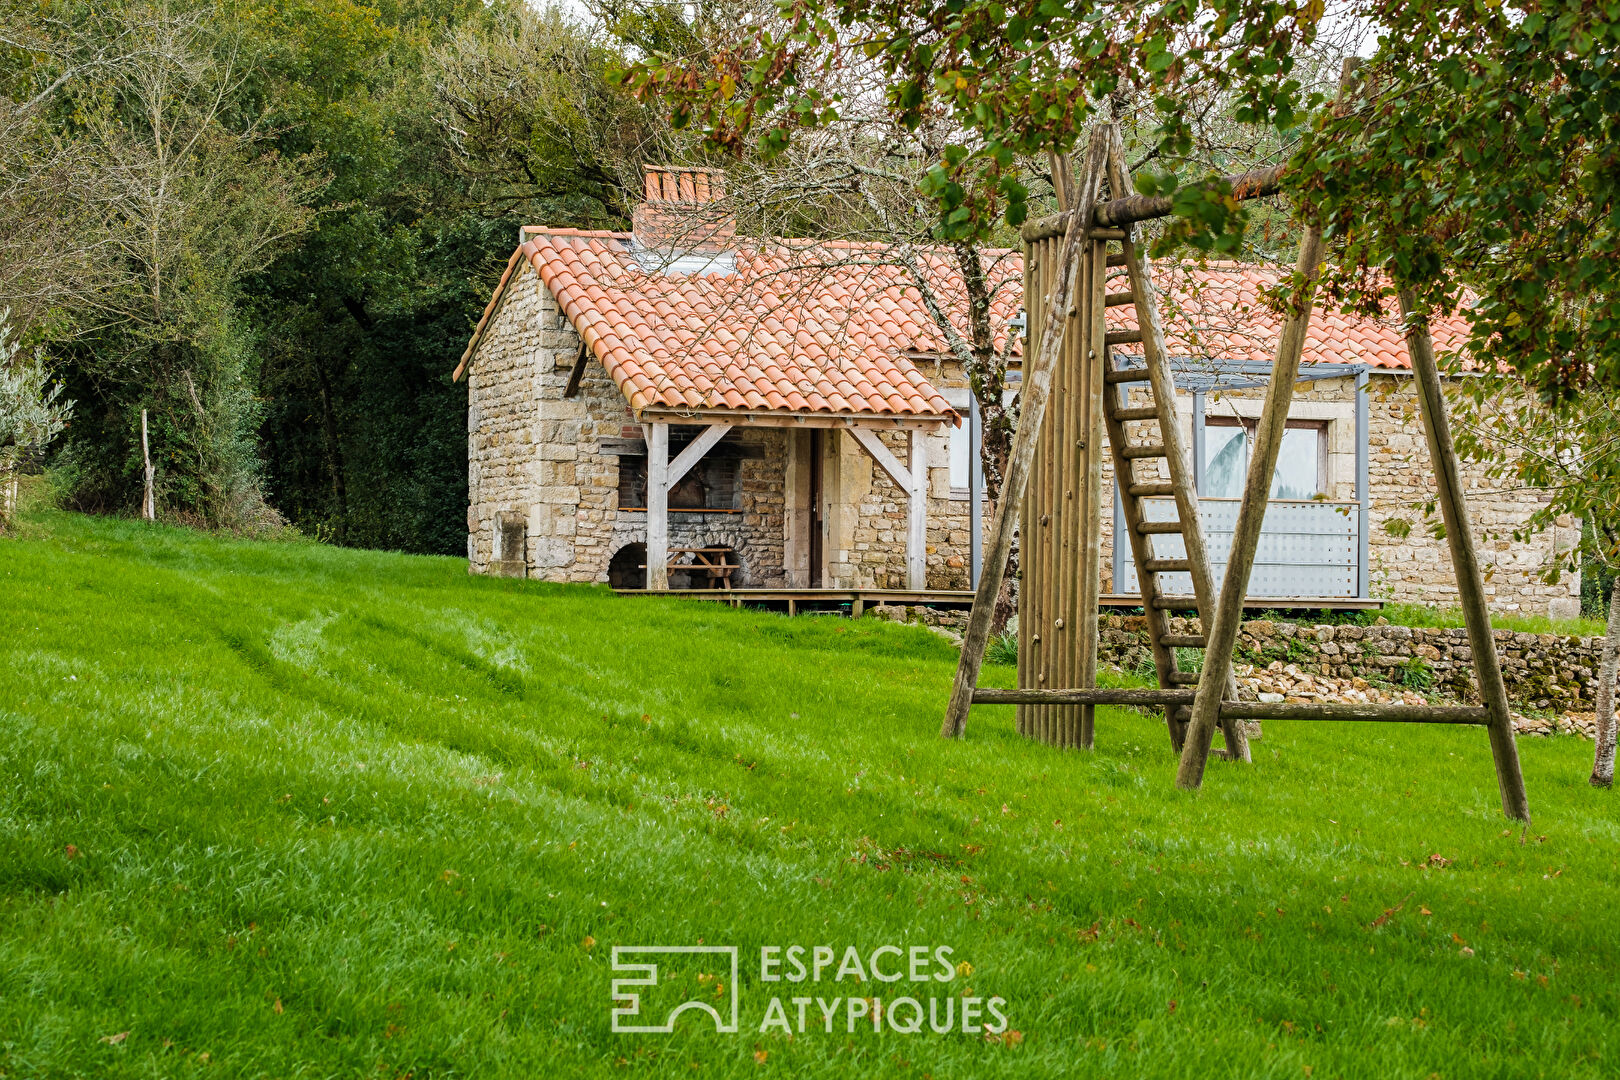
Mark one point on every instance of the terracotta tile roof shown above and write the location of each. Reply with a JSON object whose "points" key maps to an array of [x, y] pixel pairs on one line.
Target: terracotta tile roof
{"points": [[1218, 311], [833, 327]]}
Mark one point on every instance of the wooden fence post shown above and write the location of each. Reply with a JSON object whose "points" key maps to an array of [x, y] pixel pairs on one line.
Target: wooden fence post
{"points": [[148, 498]]}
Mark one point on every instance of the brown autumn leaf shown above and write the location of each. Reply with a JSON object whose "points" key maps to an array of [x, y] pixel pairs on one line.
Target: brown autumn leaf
{"points": [[760, 1056], [72, 852], [277, 1007], [114, 1040], [590, 942]]}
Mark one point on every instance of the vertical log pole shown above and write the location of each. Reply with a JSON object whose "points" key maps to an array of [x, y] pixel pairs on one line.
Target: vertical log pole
{"points": [[1220, 637], [658, 506], [1464, 559], [1032, 413], [1092, 434], [917, 514], [148, 498], [1054, 578]]}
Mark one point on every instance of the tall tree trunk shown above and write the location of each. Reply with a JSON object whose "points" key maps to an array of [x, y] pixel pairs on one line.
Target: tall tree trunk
{"points": [[1603, 761], [987, 378]]}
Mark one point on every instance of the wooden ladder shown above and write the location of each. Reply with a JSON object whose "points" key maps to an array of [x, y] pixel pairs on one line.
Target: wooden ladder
{"points": [[1163, 442]]}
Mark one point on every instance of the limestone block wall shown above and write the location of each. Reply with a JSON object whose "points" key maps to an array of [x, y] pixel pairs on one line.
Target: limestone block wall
{"points": [[554, 461], [1415, 565]]}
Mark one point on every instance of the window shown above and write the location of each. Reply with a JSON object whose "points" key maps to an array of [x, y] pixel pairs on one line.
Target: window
{"points": [[1301, 462]]}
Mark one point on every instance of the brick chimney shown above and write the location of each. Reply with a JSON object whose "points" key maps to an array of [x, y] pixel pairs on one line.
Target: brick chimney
{"points": [[684, 210]]}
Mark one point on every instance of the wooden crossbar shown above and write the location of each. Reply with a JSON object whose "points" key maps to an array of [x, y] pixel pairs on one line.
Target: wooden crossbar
{"points": [[1475, 715]]}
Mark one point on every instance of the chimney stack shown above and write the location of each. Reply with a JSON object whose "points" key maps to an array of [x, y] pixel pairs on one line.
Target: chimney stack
{"points": [[684, 210]]}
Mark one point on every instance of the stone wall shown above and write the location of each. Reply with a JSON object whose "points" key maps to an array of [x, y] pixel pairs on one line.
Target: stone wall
{"points": [[1542, 671], [555, 460]]}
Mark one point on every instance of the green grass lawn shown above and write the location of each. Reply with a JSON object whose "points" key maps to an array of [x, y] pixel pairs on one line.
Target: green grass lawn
{"points": [[277, 809]]}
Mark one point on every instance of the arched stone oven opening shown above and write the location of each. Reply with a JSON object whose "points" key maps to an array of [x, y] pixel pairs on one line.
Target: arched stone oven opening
{"points": [[628, 567]]}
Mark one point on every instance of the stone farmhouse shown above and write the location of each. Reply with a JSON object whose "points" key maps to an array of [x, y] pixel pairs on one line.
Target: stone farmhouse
{"points": [[679, 407]]}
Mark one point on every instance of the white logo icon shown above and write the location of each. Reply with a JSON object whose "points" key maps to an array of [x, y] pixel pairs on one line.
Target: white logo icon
{"points": [[627, 1002]]}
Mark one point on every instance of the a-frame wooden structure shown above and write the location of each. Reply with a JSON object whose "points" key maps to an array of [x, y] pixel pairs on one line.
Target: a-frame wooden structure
{"points": [[1074, 391]]}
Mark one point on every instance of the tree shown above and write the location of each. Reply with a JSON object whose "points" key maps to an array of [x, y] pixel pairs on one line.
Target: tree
{"points": [[1480, 153], [32, 411], [1570, 453]]}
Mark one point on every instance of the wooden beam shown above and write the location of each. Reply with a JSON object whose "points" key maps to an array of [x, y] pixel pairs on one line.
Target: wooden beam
{"points": [[1241, 710], [1108, 217], [1037, 387], [694, 452], [578, 371], [1398, 714], [886, 460], [1222, 629], [1464, 560], [917, 515], [1082, 695], [657, 506]]}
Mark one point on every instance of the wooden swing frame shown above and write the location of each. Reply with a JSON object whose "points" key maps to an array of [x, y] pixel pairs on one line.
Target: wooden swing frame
{"points": [[1053, 485]]}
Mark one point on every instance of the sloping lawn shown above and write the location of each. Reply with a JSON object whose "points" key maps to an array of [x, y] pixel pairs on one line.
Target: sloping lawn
{"points": [[288, 810]]}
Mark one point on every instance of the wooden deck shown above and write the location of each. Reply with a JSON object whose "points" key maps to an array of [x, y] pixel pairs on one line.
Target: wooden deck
{"points": [[854, 602]]}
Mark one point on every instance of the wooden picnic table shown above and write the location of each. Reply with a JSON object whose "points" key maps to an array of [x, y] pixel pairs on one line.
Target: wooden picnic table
{"points": [[711, 560]]}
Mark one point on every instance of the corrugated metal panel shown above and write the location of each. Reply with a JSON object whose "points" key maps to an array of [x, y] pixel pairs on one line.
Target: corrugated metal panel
{"points": [[1306, 548]]}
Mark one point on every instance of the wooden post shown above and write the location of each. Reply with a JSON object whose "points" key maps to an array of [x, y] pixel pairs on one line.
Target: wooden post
{"points": [[1464, 559], [1220, 636], [1037, 387], [1092, 435], [148, 498], [658, 506], [917, 514]]}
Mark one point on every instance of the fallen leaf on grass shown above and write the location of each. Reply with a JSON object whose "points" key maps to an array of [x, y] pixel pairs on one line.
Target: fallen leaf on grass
{"points": [[277, 1007], [760, 1056], [1384, 918], [114, 1040], [72, 852]]}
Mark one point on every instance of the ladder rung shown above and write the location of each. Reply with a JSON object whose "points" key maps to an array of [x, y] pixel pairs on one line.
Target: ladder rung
{"points": [[1146, 450], [1149, 527], [1148, 491], [1122, 337], [1184, 678], [1134, 374], [1176, 603], [1137, 412], [1169, 566], [1182, 641], [1118, 299]]}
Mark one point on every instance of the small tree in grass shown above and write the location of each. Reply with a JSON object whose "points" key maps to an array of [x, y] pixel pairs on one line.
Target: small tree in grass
{"points": [[31, 412], [1571, 453]]}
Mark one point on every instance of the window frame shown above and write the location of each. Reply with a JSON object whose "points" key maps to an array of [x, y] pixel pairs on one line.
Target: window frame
{"points": [[1250, 425]]}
